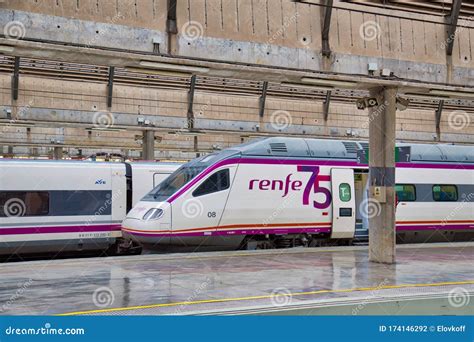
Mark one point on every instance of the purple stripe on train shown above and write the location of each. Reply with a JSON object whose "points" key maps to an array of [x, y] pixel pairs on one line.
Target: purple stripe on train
{"points": [[294, 231], [433, 227], [60, 229], [106, 228], [319, 162]]}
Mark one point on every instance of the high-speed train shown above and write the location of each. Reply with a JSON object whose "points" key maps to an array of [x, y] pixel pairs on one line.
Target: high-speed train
{"points": [[281, 192], [70, 206]]}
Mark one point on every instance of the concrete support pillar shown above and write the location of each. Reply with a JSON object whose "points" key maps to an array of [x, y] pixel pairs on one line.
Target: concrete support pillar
{"points": [[382, 176], [196, 146], [58, 152], [148, 152]]}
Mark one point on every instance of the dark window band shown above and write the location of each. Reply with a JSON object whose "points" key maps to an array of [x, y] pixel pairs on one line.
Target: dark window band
{"points": [[55, 203]]}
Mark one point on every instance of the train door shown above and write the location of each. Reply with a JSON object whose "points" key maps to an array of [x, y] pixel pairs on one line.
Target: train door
{"points": [[361, 178], [343, 203], [119, 193]]}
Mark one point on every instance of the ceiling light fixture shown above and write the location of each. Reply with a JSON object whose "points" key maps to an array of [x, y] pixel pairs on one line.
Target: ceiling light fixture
{"points": [[6, 49], [306, 86], [174, 67], [159, 72], [329, 83], [452, 94]]}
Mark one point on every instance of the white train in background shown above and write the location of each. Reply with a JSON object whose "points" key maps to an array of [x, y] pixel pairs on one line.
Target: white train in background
{"points": [[70, 206], [281, 192]]}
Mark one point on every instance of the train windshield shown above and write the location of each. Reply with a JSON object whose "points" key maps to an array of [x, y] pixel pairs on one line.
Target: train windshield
{"points": [[173, 183], [184, 175]]}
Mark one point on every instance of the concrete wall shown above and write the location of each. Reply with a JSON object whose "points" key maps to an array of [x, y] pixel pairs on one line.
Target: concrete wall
{"points": [[276, 32]]}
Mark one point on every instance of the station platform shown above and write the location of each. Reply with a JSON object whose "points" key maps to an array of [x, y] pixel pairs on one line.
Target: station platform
{"points": [[427, 279]]}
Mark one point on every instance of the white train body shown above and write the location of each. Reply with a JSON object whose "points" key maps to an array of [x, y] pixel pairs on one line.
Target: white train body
{"points": [[61, 206], [294, 191]]}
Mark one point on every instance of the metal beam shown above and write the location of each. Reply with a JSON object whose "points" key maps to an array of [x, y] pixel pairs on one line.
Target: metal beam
{"points": [[326, 103], [171, 24], [216, 68], [190, 114], [16, 78], [438, 113], [262, 99], [326, 49], [98, 146], [110, 86], [453, 22]]}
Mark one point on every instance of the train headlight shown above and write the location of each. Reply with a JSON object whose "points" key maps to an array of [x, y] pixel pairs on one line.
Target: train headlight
{"points": [[153, 214]]}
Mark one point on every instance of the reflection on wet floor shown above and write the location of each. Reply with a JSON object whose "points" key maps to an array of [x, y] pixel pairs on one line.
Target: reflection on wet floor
{"points": [[60, 286]]}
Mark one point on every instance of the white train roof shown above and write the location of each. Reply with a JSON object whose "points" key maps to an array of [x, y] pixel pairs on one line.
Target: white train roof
{"points": [[88, 162], [340, 149]]}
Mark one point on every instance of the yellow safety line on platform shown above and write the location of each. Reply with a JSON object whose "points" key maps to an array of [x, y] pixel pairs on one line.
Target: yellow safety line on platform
{"points": [[223, 300]]}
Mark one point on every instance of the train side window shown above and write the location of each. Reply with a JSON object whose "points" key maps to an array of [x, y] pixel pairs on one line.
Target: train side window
{"points": [[445, 193], [24, 203], [345, 192], [217, 182], [81, 203], [405, 192]]}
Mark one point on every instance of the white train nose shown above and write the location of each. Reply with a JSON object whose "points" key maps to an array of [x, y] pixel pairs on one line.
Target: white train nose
{"points": [[139, 211], [126, 233], [147, 222]]}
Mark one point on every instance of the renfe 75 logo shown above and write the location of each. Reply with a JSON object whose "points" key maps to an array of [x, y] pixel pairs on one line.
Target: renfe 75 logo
{"points": [[311, 187]]}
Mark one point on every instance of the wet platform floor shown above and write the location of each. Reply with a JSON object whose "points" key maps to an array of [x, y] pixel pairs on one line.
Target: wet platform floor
{"points": [[239, 282]]}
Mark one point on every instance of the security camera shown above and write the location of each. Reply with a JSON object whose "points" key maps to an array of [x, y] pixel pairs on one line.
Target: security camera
{"points": [[372, 102], [361, 104], [402, 104], [367, 102]]}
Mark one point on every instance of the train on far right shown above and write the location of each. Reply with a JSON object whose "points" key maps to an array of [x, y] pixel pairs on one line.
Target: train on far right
{"points": [[282, 192]]}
